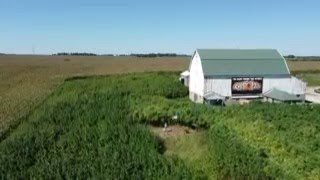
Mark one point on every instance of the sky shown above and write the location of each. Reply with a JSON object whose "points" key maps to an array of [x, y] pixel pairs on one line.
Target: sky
{"points": [[159, 26]]}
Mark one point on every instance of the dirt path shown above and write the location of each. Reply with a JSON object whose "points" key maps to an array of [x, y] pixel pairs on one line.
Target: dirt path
{"points": [[171, 131]]}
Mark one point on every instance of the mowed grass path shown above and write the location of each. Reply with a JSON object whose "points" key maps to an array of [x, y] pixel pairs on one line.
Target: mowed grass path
{"points": [[25, 80]]}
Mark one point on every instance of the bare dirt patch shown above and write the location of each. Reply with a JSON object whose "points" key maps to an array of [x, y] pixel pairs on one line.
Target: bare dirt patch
{"points": [[171, 131]]}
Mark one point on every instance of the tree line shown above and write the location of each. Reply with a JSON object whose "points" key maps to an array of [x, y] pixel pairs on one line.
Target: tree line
{"points": [[74, 54], [302, 58], [293, 56], [152, 55], [148, 55]]}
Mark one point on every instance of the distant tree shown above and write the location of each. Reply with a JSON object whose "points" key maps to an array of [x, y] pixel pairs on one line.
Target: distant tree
{"points": [[291, 56]]}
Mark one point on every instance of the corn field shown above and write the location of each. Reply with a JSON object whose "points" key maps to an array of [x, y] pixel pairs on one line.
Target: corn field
{"points": [[96, 127]]}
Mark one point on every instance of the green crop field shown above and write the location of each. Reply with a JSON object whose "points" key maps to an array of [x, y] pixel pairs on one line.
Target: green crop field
{"points": [[26, 80], [56, 115], [99, 127]]}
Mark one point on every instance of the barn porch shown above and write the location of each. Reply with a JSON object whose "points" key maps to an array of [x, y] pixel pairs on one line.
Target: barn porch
{"points": [[213, 98], [282, 96], [273, 95], [184, 78]]}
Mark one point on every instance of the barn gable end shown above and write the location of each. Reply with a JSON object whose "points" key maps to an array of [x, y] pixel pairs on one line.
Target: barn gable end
{"points": [[196, 79]]}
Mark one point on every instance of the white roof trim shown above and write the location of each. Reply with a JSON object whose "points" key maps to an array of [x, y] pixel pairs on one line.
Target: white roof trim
{"points": [[185, 73], [285, 61], [213, 95]]}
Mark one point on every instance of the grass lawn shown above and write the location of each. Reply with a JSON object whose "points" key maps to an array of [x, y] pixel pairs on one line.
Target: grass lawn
{"points": [[313, 79], [193, 149]]}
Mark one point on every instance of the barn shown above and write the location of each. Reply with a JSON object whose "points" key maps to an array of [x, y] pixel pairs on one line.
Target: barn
{"points": [[217, 75]]}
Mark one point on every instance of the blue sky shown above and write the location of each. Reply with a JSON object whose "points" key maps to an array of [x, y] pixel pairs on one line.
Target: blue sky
{"points": [[145, 26]]}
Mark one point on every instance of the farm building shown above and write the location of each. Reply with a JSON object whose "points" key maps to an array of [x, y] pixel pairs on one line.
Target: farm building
{"points": [[222, 74]]}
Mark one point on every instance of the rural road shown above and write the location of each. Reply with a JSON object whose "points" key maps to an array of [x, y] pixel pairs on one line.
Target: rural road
{"points": [[311, 95]]}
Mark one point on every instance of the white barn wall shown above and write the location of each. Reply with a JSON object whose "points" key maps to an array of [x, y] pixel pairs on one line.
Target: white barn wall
{"points": [[223, 86], [196, 81], [299, 86], [291, 85], [219, 86]]}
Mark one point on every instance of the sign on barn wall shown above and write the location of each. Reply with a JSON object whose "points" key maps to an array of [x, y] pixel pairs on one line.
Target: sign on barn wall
{"points": [[246, 86]]}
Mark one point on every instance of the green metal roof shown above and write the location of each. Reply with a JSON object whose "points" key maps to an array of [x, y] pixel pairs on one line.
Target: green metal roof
{"points": [[282, 95], [242, 62]]}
